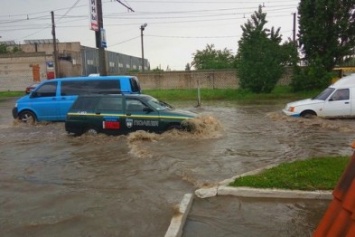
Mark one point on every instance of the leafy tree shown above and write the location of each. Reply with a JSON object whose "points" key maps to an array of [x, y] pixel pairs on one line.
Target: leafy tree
{"points": [[261, 58], [157, 69], [327, 30], [311, 77], [187, 67], [3, 49], [326, 38], [210, 58]]}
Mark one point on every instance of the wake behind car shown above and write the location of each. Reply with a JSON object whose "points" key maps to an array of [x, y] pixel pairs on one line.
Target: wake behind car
{"points": [[121, 114], [336, 101]]}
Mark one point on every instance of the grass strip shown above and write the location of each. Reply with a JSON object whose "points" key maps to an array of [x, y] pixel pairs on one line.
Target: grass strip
{"points": [[320, 173], [280, 93]]}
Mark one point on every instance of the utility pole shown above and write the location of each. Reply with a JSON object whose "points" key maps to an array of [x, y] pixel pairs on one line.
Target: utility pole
{"points": [[99, 42], [55, 52], [294, 28], [142, 29]]}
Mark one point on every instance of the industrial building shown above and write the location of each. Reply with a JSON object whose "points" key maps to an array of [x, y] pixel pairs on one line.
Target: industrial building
{"points": [[33, 61]]}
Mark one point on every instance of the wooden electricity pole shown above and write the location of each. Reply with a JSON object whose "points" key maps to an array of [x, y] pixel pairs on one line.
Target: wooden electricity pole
{"points": [[99, 36], [55, 51]]}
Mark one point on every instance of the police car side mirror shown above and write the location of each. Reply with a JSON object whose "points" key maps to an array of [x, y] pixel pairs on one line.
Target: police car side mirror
{"points": [[147, 109]]}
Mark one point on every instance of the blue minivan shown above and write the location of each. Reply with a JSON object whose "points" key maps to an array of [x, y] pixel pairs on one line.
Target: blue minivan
{"points": [[52, 99]]}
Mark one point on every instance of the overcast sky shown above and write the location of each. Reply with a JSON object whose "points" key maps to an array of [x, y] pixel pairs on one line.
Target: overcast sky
{"points": [[175, 28]]}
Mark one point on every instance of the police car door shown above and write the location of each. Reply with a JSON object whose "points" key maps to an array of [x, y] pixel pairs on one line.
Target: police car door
{"points": [[139, 118]]}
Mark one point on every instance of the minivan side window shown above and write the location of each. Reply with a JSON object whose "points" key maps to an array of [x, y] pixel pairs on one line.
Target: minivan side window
{"points": [[46, 90], [90, 87], [341, 94]]}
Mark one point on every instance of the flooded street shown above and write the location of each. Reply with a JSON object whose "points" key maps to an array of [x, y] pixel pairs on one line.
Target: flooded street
{"points": [[53, 184]]}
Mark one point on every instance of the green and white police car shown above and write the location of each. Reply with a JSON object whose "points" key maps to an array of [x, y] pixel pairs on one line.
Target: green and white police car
{"points": [[121, 114]]}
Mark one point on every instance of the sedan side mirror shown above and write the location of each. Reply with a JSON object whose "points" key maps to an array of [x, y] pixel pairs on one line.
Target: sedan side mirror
{"points": [[147, 110]]}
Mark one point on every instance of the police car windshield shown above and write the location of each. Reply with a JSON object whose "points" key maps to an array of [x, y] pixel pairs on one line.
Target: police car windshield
{"points": [[159, 105]]}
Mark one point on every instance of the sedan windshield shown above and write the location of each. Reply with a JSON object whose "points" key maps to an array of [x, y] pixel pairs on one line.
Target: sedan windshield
{"points": [[325, 94], [159, 105]]}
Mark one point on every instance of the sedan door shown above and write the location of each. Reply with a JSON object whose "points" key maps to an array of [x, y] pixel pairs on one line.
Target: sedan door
{"points": [[140, 117], [109, 115]]}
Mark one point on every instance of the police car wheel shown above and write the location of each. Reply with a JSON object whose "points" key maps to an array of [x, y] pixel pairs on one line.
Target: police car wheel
{"points": [[91, 131], [174, 126]]}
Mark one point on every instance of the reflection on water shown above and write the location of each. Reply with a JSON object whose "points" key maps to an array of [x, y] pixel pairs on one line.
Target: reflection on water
{"points": [[53, 184]]}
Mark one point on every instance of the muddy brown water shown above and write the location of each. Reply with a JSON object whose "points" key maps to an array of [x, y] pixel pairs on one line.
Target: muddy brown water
{"points": [[53, 184]]}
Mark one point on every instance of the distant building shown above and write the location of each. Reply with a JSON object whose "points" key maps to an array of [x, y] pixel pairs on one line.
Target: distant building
{"points": [[17, 68]]}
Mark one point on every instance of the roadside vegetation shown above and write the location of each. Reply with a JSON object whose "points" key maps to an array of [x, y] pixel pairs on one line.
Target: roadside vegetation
{"points": [[321, 173], [238, 95], [280, 94], [7, 94]]}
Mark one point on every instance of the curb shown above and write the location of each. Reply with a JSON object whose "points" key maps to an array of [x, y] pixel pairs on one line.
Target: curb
{"points": [[262, 193], [222, 189], [178, 221], [274, 193]]}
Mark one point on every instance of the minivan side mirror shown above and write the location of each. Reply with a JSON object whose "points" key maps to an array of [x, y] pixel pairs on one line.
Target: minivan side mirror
{"points": [[33, 94]]}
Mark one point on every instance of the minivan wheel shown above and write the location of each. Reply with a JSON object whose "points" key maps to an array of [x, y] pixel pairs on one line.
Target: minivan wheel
{"points": [[27, 117], [91, 131], [308, 114]]}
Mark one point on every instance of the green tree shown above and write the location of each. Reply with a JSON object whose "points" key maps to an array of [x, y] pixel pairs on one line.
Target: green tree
{"points": [[3, 49], [326, 39], [210, 58], [157, 69], [326, 31], [261, 58], [187, 67]]}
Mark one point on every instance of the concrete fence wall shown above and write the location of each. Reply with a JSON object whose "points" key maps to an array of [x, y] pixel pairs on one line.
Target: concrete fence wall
{"points": [[17, 74], [212, 79]]}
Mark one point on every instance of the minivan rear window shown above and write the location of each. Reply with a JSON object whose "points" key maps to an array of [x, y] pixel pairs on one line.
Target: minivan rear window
{"points": [[90, 87], [134, 84]]}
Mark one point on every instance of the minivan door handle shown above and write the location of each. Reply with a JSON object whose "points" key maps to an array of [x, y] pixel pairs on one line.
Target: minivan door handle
{"points": [[347, 102]]}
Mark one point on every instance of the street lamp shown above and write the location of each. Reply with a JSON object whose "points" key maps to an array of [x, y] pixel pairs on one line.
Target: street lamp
{"points": [[142, 29]]}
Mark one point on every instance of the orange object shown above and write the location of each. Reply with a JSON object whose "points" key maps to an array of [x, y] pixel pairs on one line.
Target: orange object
{"points": [[339, 219], [36, 73]]}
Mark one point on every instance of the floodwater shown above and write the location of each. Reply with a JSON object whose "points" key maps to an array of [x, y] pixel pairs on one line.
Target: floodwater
{"points": [[53, 184]]}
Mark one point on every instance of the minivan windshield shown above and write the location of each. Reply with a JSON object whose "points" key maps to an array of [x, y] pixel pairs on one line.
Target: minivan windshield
{"points": [[159, 105], [324, 94]]}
